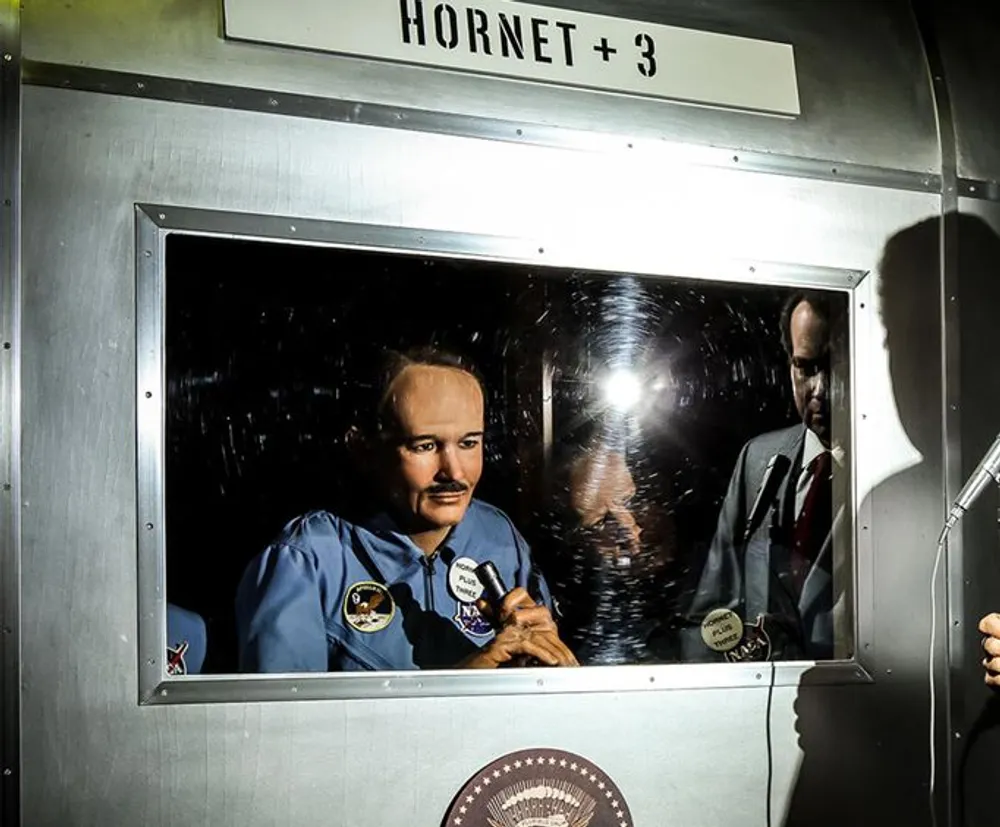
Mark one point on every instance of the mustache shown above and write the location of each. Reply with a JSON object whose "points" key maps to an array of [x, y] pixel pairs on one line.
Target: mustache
{"points": [[450, 487]]}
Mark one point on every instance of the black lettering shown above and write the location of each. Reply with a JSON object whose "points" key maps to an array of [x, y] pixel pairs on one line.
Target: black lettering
{"points": [[536, 24], [416, 22], [647, 67], [440, 10], [472, 15], [567, 30], [511, 37]]}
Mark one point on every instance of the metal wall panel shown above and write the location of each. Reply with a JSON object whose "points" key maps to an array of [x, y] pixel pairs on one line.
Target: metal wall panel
{"points": [[975, 230], [864, 90], [966, 33], [685, 757]]}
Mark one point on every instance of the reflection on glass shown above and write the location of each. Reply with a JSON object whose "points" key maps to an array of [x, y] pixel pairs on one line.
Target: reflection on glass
{"points": [[351, 433]]}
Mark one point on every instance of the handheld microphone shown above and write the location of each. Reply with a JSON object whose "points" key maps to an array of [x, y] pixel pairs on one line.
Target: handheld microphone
{"points": [[774, 474], [986, 472], [494, 589]]}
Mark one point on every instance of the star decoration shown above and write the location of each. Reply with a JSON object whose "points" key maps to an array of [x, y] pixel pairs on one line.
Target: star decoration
{"points": [[600, 786], [478, 790], [469, 799], [619, 813], [496, 773], [614, 803], [486, 781], [506, 767], [552, 761], [608, 795], [529, 761], [583, 770], [463, 809], [573, 766], [458, 820], [593, 777], [562, 762], [517, 764]]}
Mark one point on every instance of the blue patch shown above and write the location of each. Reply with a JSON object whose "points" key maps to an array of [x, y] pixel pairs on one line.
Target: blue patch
{"points": [[470, 620]]}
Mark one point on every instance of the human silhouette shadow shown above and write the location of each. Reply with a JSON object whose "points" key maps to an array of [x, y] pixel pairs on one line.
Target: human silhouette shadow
{"points": [[866, 752]]}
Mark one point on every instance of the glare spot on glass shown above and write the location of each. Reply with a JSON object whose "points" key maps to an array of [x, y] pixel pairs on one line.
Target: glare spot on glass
{"points": [[622, 389]]}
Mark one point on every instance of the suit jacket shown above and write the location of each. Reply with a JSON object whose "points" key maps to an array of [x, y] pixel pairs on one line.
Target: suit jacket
{"points": [[755, 579]]}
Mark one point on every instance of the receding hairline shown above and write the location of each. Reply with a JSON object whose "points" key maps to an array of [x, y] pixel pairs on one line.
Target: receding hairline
{"points": [[388, 402]]}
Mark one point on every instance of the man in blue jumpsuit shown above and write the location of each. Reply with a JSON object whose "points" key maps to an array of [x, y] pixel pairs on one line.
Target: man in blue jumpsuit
{"points": [[399, 591]]}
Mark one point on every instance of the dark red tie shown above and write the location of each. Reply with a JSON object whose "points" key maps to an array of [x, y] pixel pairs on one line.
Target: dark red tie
{"points": [[813, 524]]}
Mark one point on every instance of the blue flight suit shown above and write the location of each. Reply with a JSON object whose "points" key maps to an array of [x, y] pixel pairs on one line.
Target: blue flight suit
{"points": [[187, 641], [299, 604]]}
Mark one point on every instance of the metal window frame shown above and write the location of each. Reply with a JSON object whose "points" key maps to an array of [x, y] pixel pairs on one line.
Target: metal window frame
{"points": [[10, 411], [154, 223]]}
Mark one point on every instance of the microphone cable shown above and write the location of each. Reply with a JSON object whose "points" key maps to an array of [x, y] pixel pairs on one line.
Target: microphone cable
{"points": [[932, 739], [770, 747]]}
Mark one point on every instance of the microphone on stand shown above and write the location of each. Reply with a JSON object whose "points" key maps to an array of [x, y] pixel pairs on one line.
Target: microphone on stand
{"points": [[767, 636], [986, 472], [767, 492]]}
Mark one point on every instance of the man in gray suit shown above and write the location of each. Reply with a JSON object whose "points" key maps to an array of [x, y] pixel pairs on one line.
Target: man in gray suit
{"points": [[783, 576]]}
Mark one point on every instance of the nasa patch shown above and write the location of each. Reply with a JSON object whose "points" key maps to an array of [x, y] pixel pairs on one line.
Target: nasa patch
{"points": [[368, 606], [755, 645], [470, 620], [540, 788]]}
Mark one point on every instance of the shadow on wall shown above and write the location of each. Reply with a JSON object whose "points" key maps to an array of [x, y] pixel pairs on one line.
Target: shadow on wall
{"points": [[866, 758]]}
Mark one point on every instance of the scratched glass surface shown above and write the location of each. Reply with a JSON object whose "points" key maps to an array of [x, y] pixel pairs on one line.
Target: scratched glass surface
{"points": [[265, 344]]}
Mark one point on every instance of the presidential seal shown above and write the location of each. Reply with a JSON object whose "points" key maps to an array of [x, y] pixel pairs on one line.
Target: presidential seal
{"points": [[539, 788]]}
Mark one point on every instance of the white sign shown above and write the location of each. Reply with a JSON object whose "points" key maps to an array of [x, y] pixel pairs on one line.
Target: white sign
{"points": [[536, 43]]}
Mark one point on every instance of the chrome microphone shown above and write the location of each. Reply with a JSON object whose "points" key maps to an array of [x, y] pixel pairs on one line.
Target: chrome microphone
{"points": [[988, 471]]}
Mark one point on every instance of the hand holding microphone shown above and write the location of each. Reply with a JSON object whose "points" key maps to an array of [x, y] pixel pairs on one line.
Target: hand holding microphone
{"points": [[525, 630]]}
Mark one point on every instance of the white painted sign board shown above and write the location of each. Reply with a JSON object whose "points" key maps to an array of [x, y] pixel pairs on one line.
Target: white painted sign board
{"points": [[535, 43]]}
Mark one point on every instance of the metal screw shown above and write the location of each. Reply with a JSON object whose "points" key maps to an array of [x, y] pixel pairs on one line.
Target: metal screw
{"points": [[147, 253], [7, 57], [149, 394], [7, 771], [149, 526]]}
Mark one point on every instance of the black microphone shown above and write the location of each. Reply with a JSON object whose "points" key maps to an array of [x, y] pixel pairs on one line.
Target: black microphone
{"points": [[774, 474], [494, 589], [986, 472]]}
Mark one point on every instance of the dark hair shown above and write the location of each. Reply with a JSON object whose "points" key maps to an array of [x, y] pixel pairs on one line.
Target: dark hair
{"points": [[819, 303], [394, 363]]}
